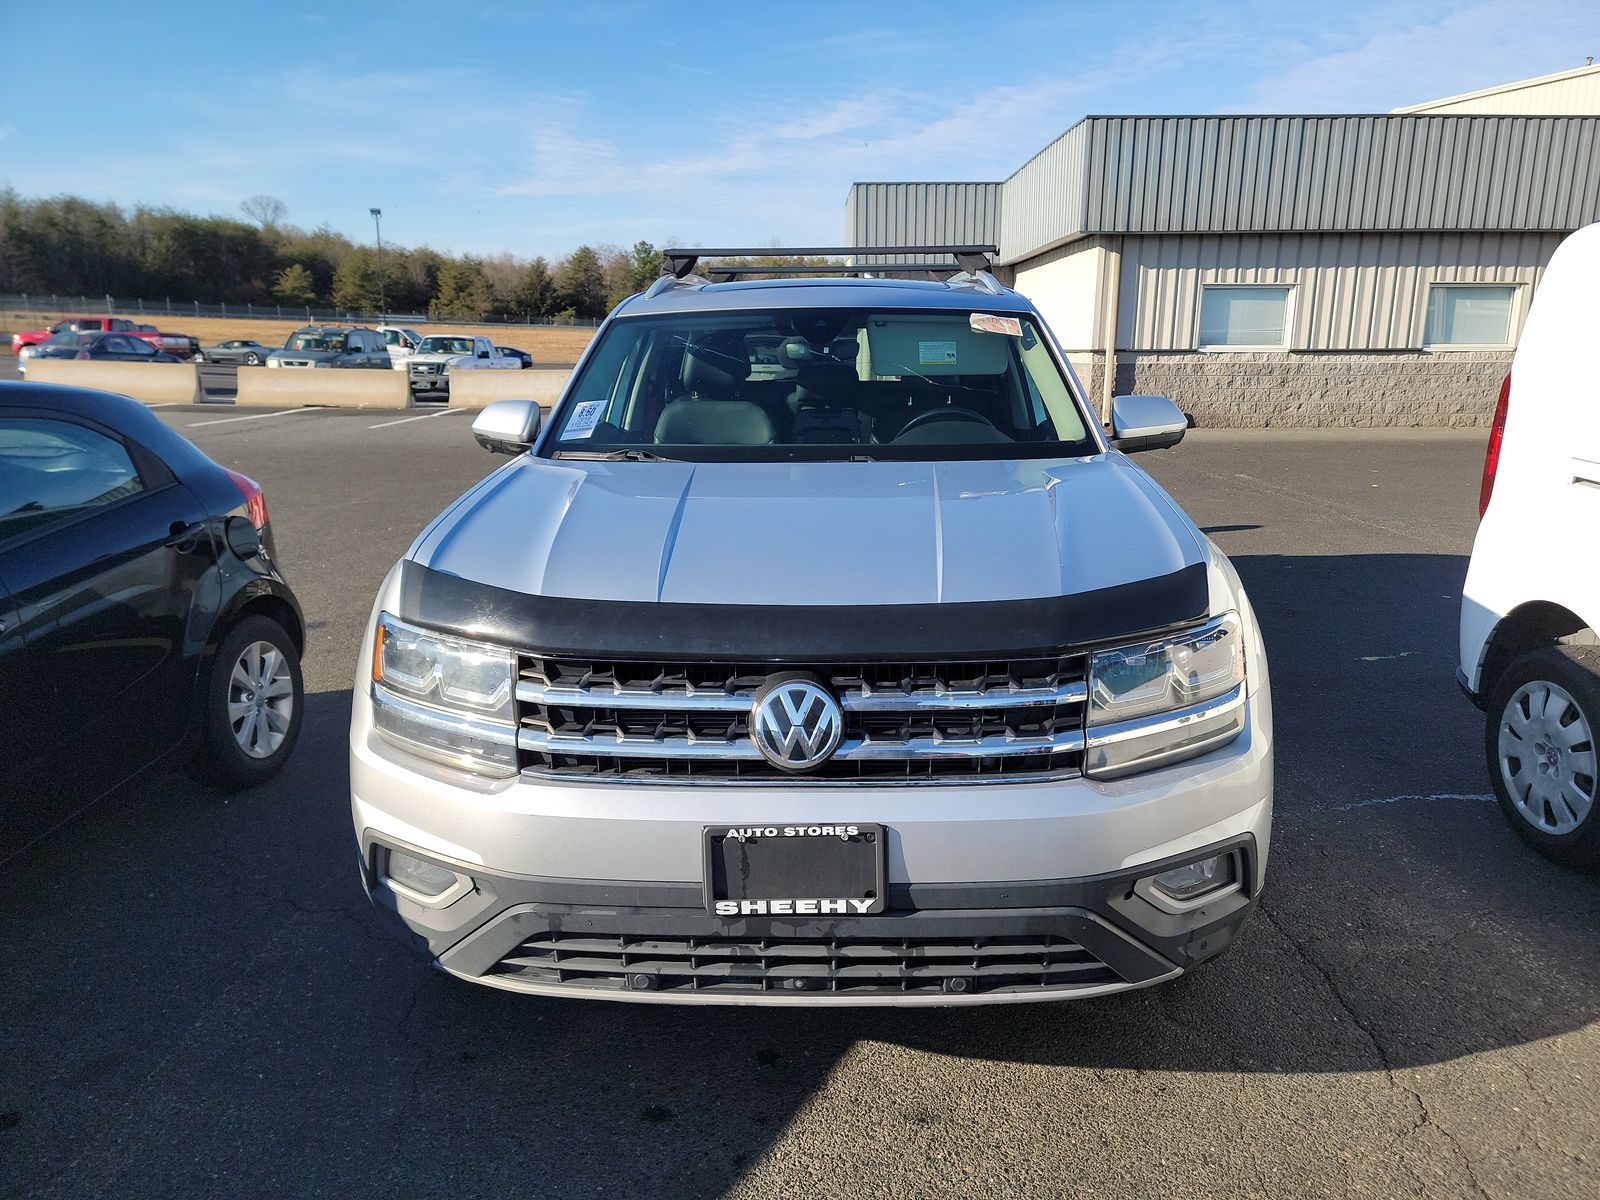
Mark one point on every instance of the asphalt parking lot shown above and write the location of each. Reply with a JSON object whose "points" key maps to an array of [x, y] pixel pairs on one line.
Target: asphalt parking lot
{"points": [[195, 998]]}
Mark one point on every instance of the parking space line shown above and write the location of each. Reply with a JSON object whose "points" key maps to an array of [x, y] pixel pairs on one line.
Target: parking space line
{"points": [[424, 417], [288, 412]]}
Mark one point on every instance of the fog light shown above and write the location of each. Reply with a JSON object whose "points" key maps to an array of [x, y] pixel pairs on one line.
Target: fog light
{"points": [[423, 881], [1195, 879]]}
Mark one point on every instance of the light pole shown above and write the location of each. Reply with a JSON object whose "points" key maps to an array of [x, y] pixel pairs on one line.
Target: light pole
{"points": [[377, 228]]}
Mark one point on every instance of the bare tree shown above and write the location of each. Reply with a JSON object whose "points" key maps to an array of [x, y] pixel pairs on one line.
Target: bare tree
{"points": [[268, 210]]}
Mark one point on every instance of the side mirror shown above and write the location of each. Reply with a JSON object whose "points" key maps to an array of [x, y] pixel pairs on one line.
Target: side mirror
{"points": [[1146, 423], [507, 426]]}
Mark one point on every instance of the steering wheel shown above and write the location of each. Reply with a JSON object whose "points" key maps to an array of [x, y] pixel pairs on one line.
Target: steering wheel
{"points": [[941, 414]]}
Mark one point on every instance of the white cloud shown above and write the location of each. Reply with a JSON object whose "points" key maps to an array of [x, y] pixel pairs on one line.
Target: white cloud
{"points": [[1409, 58]]}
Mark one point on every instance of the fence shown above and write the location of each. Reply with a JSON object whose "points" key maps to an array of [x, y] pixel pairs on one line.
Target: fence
{"points": [[39, 305]]}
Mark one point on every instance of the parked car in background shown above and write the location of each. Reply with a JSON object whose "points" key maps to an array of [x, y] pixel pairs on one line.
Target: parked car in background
{"points": [[179, 344], [96, 347], [441, 353], [1530, 609], [522, 356], [142, 612], [896, 682], [332, 346], [401, 343], [240, 351]]}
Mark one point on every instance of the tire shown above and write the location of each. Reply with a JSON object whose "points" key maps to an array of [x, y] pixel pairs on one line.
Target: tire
{"points": [[198, 357], [1542, 743], [252, 359], [241, 758]]}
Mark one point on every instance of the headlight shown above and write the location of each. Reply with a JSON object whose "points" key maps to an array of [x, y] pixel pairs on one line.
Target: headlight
{"points": [[1158, 702], [443, 697], [274, 362]]}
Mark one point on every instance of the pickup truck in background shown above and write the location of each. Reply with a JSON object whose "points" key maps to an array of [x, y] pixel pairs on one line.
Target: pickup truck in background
{"points": [[178, 344], [441, 353]]}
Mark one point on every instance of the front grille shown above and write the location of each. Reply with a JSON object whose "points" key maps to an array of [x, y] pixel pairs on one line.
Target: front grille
{"points": [[858, 966], [669, 722], [425, 368]]}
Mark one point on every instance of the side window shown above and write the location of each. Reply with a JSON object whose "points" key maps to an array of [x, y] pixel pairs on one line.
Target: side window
{"points": [[112, 344], [140, 346], [52, 470]]}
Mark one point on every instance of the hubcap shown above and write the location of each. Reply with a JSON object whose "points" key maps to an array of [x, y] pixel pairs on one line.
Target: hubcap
{"points": [[1547, 757], [260, 699]]}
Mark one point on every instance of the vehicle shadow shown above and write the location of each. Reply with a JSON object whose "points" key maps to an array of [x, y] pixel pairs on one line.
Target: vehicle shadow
{"points": [[199, 997]]}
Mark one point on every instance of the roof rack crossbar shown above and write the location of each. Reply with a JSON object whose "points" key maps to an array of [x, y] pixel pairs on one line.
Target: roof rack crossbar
{"points": [[680, 262]]}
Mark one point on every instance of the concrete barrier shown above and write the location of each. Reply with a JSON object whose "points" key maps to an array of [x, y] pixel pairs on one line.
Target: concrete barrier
{"points": [[339, 387], [154, 383], [473, 389]]}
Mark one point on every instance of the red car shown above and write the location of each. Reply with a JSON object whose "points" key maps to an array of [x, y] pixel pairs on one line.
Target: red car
{"points": [[173, 343]]}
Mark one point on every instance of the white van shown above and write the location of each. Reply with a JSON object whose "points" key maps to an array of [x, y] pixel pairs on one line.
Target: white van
{"points": [[1530, 657]]}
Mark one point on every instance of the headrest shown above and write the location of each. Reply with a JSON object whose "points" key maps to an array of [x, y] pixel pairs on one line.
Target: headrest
{"points": [[716, 363]]}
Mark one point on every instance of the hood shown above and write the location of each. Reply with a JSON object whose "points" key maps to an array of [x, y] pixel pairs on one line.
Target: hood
{"points": [[313, 356], [812, 533], [436, 357]]}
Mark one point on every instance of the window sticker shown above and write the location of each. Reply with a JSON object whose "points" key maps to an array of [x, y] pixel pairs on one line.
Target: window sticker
{"points": [[988, 323], [584, 418], [936, 354]]}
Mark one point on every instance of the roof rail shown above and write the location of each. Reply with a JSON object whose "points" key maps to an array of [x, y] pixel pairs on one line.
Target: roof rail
{"points": [[967, 259]]}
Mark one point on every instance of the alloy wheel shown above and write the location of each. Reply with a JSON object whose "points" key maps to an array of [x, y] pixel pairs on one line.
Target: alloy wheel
{"points": [[260, 699], [1547, 757]]}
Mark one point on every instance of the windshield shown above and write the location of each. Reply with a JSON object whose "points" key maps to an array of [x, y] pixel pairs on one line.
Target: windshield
{"points": [[315, 341], [822, 384], [445, 345]]}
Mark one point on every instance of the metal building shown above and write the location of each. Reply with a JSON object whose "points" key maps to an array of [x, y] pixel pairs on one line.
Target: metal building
{"points": [[1285, 270]]}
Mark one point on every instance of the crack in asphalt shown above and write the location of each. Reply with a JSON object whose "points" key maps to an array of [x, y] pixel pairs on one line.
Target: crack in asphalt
{"points": [[1424, 1116]]}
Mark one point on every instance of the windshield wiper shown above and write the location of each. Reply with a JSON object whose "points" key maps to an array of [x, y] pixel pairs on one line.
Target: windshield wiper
{"points": [[628, 454]]}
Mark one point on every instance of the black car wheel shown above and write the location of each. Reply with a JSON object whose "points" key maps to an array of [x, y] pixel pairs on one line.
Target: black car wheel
{"points": [[254, 703], [252, 359], [1543, 721]]}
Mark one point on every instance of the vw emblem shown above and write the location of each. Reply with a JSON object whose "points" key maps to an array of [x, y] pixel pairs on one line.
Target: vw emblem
{"points": [[796, 723]]}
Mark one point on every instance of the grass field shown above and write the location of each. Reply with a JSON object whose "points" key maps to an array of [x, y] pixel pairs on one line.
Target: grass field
{"points": [[547, 343]]}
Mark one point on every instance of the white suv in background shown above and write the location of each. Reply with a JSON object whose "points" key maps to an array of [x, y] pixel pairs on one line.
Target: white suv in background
{"points": [[1531, 607]]}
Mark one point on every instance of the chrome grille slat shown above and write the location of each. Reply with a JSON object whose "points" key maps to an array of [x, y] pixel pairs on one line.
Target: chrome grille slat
{"points": [[904, 721], [530, 692], [850, 750]]}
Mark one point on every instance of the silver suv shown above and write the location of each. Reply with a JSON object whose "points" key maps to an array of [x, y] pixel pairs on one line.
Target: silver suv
{"points": [[821, 649]]}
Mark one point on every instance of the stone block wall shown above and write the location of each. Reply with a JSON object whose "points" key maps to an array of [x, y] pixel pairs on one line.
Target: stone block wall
{"points": [[1407, 388]]}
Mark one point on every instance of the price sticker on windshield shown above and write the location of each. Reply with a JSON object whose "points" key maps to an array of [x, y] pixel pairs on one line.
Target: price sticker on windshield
{"points": [[583, 420], [989, 323]]}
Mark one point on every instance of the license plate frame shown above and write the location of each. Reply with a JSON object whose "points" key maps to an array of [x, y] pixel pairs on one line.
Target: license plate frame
{"points": [[794, 871]]}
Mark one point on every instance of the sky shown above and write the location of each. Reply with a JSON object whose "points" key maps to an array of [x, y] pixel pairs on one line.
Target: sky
{"points": [[533, 127]]}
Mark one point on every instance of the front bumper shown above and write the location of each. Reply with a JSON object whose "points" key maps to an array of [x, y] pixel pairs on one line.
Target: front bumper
{"points": [[996, 893]]}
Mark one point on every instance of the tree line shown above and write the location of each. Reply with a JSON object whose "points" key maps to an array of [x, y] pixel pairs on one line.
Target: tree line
{"points": [[66, 245]]}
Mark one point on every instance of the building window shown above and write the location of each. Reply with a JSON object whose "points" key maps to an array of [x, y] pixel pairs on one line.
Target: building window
{"points": [[1243, 318], [1463, 315]]}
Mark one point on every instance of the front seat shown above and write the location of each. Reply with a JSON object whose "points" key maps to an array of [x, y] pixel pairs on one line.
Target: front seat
{"points": [[711, 414], [713, 423]]}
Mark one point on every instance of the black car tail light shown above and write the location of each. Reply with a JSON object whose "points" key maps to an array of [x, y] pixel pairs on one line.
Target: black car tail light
{"points": [[255, 499]]}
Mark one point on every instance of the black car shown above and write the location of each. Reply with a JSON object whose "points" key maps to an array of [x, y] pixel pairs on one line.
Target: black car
{"points": [[142, 614], [522, 356], [98, 347], [240, 351]]}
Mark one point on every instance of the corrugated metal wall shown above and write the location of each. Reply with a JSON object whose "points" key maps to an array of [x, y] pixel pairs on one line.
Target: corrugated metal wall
{"points": [[926, 214], [1352, 292], [1044, 200], [1262, 174], [1199, 174]]}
